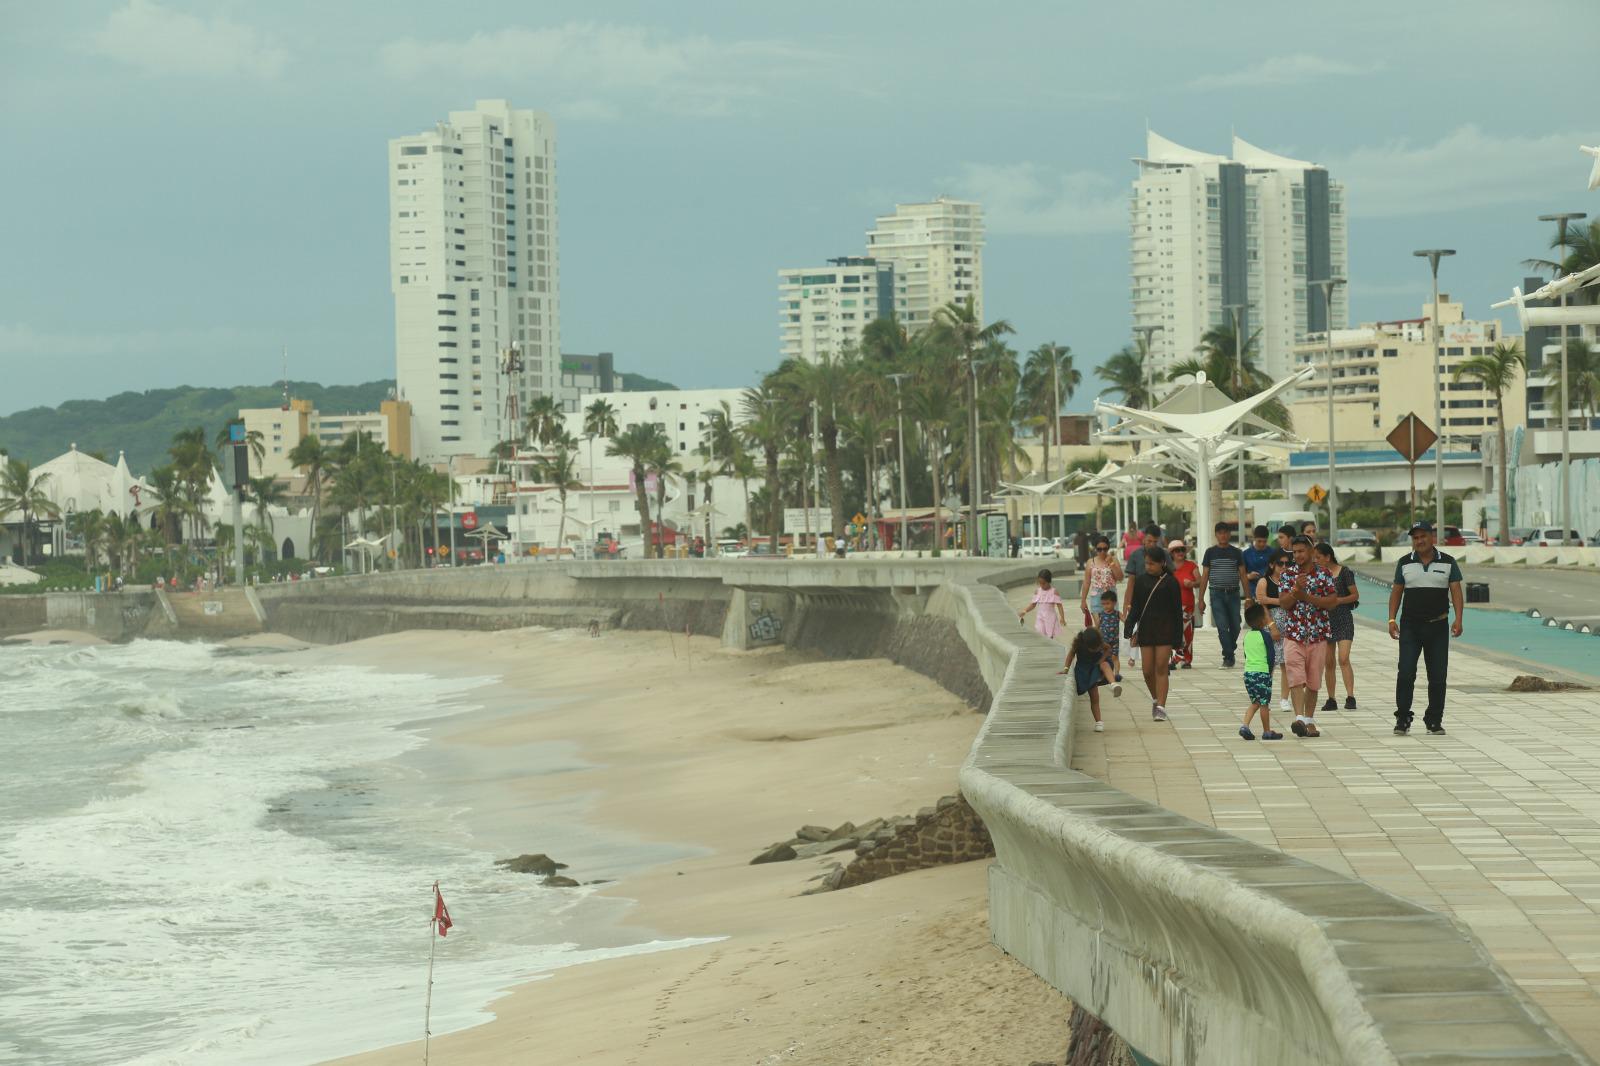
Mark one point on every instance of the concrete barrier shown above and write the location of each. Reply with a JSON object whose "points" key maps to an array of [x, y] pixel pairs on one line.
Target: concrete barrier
{"points": [[1197, 947]]}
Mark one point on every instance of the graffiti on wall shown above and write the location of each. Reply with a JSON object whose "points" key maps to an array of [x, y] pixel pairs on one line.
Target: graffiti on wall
{"points": [[765, 627]]}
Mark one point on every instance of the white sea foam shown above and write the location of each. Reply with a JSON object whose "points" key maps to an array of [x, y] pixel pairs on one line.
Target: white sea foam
{"points": [[210, 864]]}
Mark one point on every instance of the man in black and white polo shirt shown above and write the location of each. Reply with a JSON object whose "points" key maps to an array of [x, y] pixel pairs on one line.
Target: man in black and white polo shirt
{"points": [[1429, 581]]}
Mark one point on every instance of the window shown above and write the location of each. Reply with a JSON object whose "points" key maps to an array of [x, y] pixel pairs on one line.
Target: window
{"points": [[414, 149]]}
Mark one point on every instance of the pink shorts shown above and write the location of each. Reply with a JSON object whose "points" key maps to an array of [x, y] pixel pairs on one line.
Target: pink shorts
{"points": [[1303, 663]]}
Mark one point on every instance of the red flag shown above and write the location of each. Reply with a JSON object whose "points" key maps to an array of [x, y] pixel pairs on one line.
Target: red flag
{"points": [[441, 914]]}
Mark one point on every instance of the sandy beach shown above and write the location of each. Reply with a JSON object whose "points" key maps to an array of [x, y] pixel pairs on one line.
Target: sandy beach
{"points": [[721, 754]]}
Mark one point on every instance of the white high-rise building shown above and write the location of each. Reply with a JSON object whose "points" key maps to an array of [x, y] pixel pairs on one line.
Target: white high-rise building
{"points": [[822, 310], [936, 250], [1208, 231], [475, 267]]}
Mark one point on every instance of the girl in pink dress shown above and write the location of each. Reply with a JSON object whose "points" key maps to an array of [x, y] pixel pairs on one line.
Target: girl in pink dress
{"points": [[1052, 617]]}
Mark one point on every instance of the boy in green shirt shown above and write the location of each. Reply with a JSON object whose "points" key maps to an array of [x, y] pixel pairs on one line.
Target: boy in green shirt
{"points": [[1258, 662]]}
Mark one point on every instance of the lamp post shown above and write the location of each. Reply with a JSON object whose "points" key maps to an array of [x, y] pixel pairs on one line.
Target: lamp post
{"points": [[1561, 221], [1433, 255], [1327, 285], [816, 477], [900, 438], [1146, 332], [1237, 311], [975, 462], [711, 414]]}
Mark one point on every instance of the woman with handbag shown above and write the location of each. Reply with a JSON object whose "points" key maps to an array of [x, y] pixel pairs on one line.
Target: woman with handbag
{"points": [[1155, 625]]}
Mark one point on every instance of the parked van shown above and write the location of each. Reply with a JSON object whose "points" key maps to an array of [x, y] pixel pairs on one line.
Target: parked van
{"points": [[1278, 519]]}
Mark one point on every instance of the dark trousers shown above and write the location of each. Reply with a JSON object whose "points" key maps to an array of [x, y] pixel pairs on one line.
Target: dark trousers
{"points": [[1225, 616], [1431, 641]]}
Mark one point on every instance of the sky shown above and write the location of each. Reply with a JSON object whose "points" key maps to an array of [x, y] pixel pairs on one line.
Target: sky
{"points": [[195, 187]]}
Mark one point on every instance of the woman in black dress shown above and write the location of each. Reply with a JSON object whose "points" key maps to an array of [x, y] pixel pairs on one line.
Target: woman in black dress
{"points": [[1155, 625], [1343, 625]]}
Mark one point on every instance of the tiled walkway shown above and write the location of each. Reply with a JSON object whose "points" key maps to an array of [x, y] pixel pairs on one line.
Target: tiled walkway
{"points": [[1497, 823]]}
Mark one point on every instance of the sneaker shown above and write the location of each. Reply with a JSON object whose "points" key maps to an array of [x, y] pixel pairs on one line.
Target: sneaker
{"points": [[1436, 730], [1297, 727], [1330, 704], [1285, 705], [1244, 731], [1227, 662], [1118, 677], [1116, 690], [1349, 703], [1161, 715], [1402, 729], [1099, 727], [1268, 734], [1312, 730]]}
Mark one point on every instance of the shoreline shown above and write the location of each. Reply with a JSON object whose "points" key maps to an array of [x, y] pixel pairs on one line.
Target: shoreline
{"points": [[694, 758]]}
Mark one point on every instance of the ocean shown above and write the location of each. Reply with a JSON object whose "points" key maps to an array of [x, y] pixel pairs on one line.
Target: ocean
{"points": [[227, 858]]}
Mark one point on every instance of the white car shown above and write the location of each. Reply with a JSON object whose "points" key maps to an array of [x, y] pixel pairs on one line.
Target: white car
{"points": [[1037, 548]]}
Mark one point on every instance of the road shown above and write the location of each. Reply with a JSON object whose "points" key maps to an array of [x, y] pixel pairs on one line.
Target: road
{"points": [[1564, 593]]}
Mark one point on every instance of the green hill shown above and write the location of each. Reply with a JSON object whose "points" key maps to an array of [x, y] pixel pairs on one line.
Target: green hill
{"points": [[143, 423]]}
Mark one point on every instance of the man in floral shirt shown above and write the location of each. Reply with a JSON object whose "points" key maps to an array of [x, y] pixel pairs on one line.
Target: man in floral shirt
{"points": [[1307, 593]]}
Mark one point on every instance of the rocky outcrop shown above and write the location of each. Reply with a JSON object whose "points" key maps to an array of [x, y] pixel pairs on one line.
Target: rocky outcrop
{"points": [[1092, 1043], [540, 864]]}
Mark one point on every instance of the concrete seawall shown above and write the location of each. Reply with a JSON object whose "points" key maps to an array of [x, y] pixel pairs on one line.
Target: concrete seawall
{"points": [[1195, 946]]}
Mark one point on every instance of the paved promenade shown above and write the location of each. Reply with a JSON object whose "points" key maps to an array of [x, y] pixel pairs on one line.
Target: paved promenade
{"points": [[1497, 823]]}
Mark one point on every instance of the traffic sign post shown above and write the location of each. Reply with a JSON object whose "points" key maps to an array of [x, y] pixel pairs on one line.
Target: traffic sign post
{"points": [[1412, 438], [1316, 494]]}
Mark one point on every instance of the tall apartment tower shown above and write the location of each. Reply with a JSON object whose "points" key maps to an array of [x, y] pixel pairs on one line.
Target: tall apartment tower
{"points": [[475, 268], [822, 310], [936, 250], [1208, 231]]}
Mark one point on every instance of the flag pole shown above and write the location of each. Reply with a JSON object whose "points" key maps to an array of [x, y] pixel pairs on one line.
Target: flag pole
{"points": [[427, 1010]]}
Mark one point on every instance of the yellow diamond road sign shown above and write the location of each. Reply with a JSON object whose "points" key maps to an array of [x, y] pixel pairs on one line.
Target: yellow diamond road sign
{"points": [[859, 520], [1316, 494]]}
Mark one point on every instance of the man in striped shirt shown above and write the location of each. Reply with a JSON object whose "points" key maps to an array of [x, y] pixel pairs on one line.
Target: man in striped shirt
{"points": [[1223, 575]]}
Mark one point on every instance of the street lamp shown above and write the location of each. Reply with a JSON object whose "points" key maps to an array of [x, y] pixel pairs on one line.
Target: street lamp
{"points": [[1433, 255], [711, 414], [1146, 332], [900, 437], [1327, 285], [1237, 311], [1561, 221]]}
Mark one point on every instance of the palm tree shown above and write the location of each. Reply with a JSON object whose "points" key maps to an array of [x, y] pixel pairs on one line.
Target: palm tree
{"points": [[1583, 252], [544, 422], [600, 419], [266, 492], [21, 491], [1124, 373], [1583, 378], [170, 510], [90, 527], [559, 470], [934, 406], [254, 440], [824, 385], [315, 460], [665, 466], [191, 458], [1498, 370], [1048, 365], [959, 322], [766, 427], [638, 444]]}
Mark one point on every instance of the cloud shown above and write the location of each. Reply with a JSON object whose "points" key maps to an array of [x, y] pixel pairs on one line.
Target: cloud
{"points": [[1280, 70], [687, 75], [1463, 169], [1033, 200], [160, 40]]}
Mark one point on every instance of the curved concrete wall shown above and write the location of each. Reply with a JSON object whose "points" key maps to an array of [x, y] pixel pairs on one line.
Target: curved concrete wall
{"points": [[1195, 946]]}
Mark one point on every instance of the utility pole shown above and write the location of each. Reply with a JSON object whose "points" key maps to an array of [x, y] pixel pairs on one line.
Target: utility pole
{"points": [[974, 452], [1561, 221], [1148, 359], [816, 478], [1237, 310], [900, 438], [1327, 285], [1433, 255]]}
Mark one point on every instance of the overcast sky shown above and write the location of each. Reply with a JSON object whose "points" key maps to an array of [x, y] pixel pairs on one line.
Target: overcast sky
{"points": [[193, 186]]}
